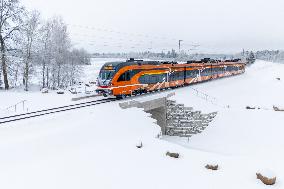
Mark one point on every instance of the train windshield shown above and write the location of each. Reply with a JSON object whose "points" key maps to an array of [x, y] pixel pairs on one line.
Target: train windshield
{"points": [[106, 74]]}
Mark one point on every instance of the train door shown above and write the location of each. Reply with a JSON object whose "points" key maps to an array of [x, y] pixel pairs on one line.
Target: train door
{"points": [[167, 81], [211, 72], [199, 78], [124, 83], [184, 75]]}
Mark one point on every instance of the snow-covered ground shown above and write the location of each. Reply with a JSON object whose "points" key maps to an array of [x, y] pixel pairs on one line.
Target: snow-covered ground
{"points": [[34, 100], [259, 88], [95, 147]]}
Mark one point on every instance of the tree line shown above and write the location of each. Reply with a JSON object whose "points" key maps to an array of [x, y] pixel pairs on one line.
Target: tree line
{"points": [[29, 44], [270, 55], [172, 55]]}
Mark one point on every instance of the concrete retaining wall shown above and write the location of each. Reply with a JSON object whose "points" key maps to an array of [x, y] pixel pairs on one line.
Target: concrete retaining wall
{"points": [[173, 118]]}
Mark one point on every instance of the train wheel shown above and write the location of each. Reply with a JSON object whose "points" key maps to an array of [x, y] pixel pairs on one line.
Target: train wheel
{"points": [[123, 96], [119, 97]]}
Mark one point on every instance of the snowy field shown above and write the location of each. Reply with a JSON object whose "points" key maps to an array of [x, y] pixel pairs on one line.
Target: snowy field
{"points": [[95, 147]]}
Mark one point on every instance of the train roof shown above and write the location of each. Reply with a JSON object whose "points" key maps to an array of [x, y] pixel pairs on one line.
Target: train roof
{"points": [[203, 62], [131, 62]]}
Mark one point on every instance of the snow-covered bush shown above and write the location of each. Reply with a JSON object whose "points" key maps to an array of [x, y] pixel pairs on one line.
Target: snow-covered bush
{"points": [[44, 90]]}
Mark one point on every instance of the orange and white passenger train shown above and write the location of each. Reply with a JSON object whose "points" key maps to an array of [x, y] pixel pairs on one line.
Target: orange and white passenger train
{"points": [[132, 77]]}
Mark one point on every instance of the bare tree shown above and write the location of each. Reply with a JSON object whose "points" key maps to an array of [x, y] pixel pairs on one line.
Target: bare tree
{"points": [[45, 30], [30, 34], [59, 46], [10, 21]]}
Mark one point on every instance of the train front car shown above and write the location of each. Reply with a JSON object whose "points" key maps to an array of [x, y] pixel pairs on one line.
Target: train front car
{"points": [[104, 80], [121, 79]]}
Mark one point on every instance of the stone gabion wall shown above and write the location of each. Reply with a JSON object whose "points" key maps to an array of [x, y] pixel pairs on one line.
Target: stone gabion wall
{"points": [[184, 121]]}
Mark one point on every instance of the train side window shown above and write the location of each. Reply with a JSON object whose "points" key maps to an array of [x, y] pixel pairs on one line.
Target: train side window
{"points": [[142, 79], [146, 79], [181, 75], [164, 78], [194, 73], [153, 79], [188, 74], [177, 76], [127, 77], [160, 78], [171, 76], [124, 77], [205, 71], [121, 77], [150, 81], [191, 74]]}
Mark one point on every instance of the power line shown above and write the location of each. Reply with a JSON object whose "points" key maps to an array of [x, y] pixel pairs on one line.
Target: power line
{"points": [[121, 33], [129, 36]]}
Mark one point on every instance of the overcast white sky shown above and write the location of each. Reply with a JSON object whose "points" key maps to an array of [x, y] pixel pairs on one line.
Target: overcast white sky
{"points": [[134, 25]]}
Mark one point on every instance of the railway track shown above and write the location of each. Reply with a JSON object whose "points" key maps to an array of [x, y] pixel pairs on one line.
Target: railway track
{"points": [[59, 109], [48, 111]]}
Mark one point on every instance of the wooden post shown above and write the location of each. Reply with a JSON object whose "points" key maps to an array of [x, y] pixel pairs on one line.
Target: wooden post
{"points": [[23, 105]]}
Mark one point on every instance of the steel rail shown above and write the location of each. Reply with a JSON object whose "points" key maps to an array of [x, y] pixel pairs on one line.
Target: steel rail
{"points": [[54, 110], [49, 109]]}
